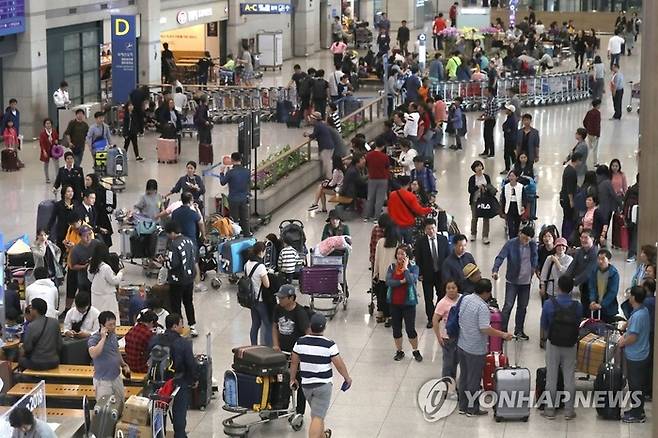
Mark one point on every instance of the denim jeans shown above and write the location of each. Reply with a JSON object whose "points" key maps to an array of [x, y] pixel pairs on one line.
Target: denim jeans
{"points": [[637, 373], [261, 320], [512, 292], [470, 375], [407, 235], [450, 359], [179, 411]]}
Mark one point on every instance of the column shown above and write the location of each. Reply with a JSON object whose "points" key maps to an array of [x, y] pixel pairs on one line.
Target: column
{"points": [[149, 42], [25, 74], [648, 209], [307, 28], [398, 11]]}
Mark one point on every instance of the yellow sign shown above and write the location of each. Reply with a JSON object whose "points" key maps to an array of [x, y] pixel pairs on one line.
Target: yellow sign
{"points": [[121, 27]]}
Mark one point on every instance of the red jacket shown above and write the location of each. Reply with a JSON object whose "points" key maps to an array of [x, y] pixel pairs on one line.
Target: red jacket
{"points": [[378, 164], [46, 144], [403, 207], [592, 122]]}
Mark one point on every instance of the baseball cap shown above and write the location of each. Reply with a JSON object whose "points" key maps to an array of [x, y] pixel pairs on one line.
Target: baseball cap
{"points": [[470, 269], [286, 290], [318, 323], [510, 107], [561, 241]]}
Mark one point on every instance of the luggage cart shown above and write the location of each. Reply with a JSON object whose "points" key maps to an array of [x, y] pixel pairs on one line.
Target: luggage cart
{"points": [[635, 94], [326, 278], [161, 409]]}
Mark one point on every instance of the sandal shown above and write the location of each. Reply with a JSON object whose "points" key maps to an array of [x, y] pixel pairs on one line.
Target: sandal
{"points": [[327, 433]]}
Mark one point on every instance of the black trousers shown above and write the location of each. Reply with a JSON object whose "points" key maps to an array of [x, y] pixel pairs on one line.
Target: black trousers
{"points": [[183, 293], [489, 146], [580, 59], [382, 304], [321, 106], [205, 136], [509, 154], [513, 220], [584, 297], [239, 212], [616, 103], [431, 283], [338, 60], [71, 283], [131, 138]]}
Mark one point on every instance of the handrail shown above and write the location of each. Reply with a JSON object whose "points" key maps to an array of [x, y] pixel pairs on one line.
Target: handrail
{"points": [[209, 87]]}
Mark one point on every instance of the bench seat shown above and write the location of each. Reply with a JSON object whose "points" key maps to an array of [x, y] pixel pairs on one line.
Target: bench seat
{"points": [[65, 391]]}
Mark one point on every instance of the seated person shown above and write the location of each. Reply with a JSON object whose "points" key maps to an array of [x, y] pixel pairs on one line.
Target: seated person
{"points": [[12, 300], [230, 63], [329, 187], [43, 288], [82, 319], [154, 303], [43, 340], [603, 287], [355, 184], [25, 425], [137, 341]]}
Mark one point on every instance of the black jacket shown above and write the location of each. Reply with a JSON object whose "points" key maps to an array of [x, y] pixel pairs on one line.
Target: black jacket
{"points": [[165, 119], [423, 254], [131, 124], [74, 178], [403, 34], [187, 371], [473, 189], [88, 217]]}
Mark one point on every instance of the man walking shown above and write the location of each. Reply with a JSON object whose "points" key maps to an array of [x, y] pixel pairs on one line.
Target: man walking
{"points": [[313, 356], [560, 318], [592, 123], [474, 331], [489, 119], [403, 37], [238, 179], [430, 252], [76, 134], [615, 44], [583, 265], [617, 91], [521, 255]]}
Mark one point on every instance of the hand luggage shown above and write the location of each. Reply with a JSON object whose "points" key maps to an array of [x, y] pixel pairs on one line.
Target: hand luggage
{"points": [[608, 384], [44, 213], [591, 354], [205, 154], [117, 165], [74, 352], [106, 415], [23, 260], [280, 392], [259, 360], [592, 325], [492, 362], [540, 387], [294, 119], [619, 232], [283, 110], [513, 391], [167, 150], [246, 391], [495, 343], [233, 251], [9, 159], [202, 394]]}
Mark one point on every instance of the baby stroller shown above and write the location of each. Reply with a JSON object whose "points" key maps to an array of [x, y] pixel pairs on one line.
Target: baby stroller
{"points": [[208, 262], [291, 231]]}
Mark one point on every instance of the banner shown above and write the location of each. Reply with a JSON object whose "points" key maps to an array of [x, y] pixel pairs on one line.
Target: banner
{"points": [[124, 56], [34, 401]]}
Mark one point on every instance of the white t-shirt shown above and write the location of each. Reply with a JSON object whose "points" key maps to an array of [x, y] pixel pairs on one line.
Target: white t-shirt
{"points": [[614, 44], [411, 125], [334, 80], [46, 290], [256, 277], [406, 160], [89, 325]]}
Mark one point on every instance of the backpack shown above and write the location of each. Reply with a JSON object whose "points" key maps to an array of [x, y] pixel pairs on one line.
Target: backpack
{"points": [[320, 88], [246, 290], [564, 329], [452, 323], [160, 363]]}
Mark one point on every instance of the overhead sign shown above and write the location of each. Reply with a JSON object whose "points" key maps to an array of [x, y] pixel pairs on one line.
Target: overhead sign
{"points": [[192, 15], [12, 17], [256, 8], [124, 56]]}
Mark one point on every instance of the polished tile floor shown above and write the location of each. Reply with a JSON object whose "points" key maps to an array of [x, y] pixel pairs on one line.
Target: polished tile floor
{"points": [[382, 401]]}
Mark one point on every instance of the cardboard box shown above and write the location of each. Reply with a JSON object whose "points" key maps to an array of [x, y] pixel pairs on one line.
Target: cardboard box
{"points": [[126, 430], [591, 354], [136, 411]]}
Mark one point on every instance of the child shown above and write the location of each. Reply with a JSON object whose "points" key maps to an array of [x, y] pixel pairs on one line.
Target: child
{"points": [[449, 346], [456, 124], [333, 118], [10, 136], [154, 303], [288, 261]]}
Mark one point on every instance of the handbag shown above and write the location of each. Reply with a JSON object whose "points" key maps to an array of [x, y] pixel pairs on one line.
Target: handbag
{"points": [[487, 206], [56, 151]]}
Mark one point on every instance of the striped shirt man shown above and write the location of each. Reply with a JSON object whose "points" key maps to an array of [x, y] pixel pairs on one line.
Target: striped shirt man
{"points": [[315, 353], [288, 260]]}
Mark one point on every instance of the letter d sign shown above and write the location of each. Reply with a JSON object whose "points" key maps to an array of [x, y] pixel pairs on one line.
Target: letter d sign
{"points": [[121, 27]]}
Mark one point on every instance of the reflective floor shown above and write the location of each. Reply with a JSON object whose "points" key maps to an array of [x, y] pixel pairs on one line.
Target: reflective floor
{"points": [[382, 401]]}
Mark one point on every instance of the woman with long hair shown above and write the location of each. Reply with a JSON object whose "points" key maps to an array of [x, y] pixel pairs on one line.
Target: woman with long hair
{"points": [[330, 187], [62, 215], [103, 209], [261, 318], [104, 281], [384, 257], [618, 178]]}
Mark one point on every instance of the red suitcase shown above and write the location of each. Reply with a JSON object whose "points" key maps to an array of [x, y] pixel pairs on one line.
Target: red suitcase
{"points": [[205, 154], [9, 160], [492, 362], [619, 232], [167, 149]]}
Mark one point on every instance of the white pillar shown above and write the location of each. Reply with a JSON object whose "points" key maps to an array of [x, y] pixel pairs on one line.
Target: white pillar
{"points": [[307, 28], [401, 10], [149, 42]]}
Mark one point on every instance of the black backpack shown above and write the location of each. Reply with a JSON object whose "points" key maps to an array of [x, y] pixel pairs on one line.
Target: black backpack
{"points": [[246, 290], [564, 328], [160, 363]]}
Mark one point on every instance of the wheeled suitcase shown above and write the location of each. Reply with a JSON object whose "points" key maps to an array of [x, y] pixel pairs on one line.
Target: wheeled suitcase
{"points": [[492, 362], [283, 110], [512, 386], [167, 150], [280, 391], [117, 165], [495, 343], [540, 388], [619, 232], [294, 119], [74, 352], [106, 415], [9, 159], [246, 391], [202, 393], [608, 384], [206, 155], [259, 360], [233, 251], [44, 213]]}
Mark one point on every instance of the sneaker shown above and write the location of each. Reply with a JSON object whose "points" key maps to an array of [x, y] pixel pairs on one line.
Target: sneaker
{"points": [[313, 207], [462, 412], [48, 181], [453, 147], [478, 413], [418, 356], [570, 416], [486, 241], [473, 237], [139, 159], [523, 336], [193, 331], [483, 154], [387, 323], [628, 418], [548, 416], [630, 260], [399, 355], [327, 433], [429, 324]]}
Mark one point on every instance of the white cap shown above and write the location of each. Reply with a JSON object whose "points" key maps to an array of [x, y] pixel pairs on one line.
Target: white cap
{"points": [[510, 107]]}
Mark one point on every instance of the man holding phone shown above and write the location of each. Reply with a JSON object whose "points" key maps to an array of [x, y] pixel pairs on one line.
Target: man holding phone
{"points": [[319, 354], [107, 360]]}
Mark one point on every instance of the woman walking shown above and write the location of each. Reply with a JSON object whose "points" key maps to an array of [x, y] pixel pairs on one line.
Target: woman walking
{"points": [[261, 319], [384, 257], [478, 184], [104, 281], [47, 139]]}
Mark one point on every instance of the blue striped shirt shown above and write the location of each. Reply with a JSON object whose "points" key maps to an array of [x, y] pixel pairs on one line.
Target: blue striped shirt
{"points": [[315, 353]]}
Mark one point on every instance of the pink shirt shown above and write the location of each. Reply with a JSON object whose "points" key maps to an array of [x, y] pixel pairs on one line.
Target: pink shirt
{"points": [[619, 183], [338, 48], [439, 109], [588, 219], [442, 309]]}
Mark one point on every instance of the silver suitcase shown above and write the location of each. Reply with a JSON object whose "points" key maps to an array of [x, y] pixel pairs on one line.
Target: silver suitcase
{"points": [[512, 391]]}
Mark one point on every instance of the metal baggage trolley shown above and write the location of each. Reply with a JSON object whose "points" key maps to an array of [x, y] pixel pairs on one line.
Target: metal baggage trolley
{"points": [[326, 279]]}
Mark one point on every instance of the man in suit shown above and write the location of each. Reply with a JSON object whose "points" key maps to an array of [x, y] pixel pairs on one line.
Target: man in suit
{"points": [[87, 211], [430, 252]]}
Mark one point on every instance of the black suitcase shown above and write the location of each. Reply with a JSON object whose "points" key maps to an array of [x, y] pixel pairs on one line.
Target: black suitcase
{"points": [[258, 360], [294, 119], [280, 392], [283, 111], [23, 260], [540, 387], [609, 382], [202, 394], [74, 352], [44, 213], [9, 160]]}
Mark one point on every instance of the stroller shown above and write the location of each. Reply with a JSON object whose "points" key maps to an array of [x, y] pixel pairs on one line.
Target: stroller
{"points": [[291, 231]]}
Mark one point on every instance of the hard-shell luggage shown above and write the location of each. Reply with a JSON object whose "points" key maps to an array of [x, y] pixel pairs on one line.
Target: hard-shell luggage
{"points": [[608, 384], [271, 257], [202, 393], [294, 119], [234, 251], [205, 154], [283, 110], [492, 362], [540, 387], [44, 213], [167, 149], [9, 159], [106, 415], [619, 232], [117, 165], [74, 352], [513, 391], [259, 360], [495, 343], [320, 280], [246, 390]]}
